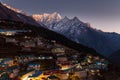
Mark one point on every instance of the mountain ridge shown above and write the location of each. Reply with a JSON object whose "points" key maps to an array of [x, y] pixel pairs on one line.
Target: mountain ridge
{"points": [[10, 14], [73, 29], [83, 33]]}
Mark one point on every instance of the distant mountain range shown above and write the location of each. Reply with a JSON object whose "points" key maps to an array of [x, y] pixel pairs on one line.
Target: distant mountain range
{"points": [[79, 32], [47, 19], [103, 42], [10, 16]]}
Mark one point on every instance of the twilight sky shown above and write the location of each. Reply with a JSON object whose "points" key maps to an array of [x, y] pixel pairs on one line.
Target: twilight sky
{"points": [[102, 14]]}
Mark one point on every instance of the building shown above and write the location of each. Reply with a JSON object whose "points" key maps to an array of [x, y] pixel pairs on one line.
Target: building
{"points": [[53, 77], [11, 40], [35, 76], [25, 75], [28, 43], [58, 50], [65, 66], [7, 61], [34, 66], [81, 74], [62, 58]]}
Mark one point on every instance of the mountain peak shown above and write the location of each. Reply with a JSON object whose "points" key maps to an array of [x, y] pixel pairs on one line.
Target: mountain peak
{"points": [[13, 9], [47, 18], [56, 16], [55, 13], [10, 13], [65, 19], [44, 14], [76, 18]]}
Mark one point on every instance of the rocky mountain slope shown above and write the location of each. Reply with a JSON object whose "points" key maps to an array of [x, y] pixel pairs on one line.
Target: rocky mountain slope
{"points": [[9, 13], [74, 29], [47, 19], [10, 19], [80, 32]]}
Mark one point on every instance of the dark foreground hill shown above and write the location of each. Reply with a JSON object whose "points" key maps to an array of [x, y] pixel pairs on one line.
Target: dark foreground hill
{"points": [[115, 58], [45, 33]]}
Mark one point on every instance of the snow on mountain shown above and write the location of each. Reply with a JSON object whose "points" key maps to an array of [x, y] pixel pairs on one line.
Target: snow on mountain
{"points": [[9, 13], [66, 23], [74, 29], [47, 19], [14, 9], [83, 33], [80, 32]]}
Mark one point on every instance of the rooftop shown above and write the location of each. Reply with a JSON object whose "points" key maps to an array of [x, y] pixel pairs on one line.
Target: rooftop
{"points": [[37, 73]]}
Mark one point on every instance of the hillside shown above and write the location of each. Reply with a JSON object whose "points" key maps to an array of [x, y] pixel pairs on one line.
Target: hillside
{"points": [[83, 33], [45, 33], [115, 58], [8, 14]]}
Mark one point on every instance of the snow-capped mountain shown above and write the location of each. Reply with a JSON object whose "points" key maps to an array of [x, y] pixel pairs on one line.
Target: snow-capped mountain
{"points": [[13, 9], [47, 19], [80, 32], [10, 16], [9, 13], [74, 29]]}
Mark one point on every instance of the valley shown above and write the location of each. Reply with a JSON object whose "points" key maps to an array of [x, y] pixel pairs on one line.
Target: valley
{"points": [[51, 47]]}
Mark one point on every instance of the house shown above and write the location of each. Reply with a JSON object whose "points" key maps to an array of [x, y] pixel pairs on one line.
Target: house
{"points": [[34, 66], [7, 33], [25, 75], [7, 61], [65, 66], [35, 76], [53, 77], [58, 50], [81, 74], [62, 58], [64, 76], [3, 66], [38, 42], [11, 40], [28, 43], [25, 58], [26, 49]]}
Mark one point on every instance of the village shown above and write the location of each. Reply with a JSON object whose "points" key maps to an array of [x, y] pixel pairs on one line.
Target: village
{"points": [[35, 58]]}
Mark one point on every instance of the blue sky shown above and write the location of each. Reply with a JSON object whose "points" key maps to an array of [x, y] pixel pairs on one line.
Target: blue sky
{"points": [[102, 14]]}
